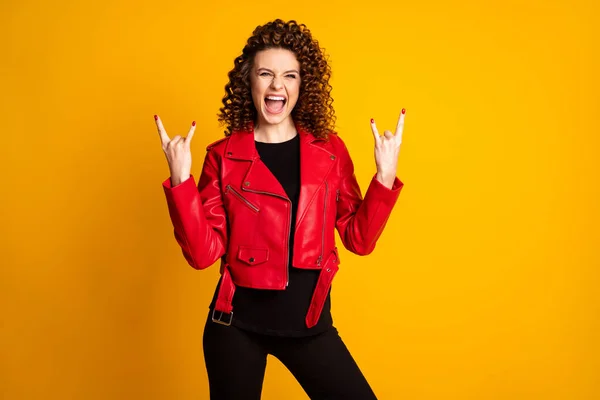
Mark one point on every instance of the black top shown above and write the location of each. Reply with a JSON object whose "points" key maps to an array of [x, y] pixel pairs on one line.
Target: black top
{"points": [[281, 312]]}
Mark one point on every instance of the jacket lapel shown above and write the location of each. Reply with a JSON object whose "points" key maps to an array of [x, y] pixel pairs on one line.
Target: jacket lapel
{"points": [[256, 177], [316, 162]]}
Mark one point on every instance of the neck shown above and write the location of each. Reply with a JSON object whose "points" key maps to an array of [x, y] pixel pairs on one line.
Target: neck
{"points": [[269, 133]]}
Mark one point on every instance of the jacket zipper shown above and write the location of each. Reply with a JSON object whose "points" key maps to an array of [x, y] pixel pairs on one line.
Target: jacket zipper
{"points": [[324, 223], [287, 244], [337, 195], [230, 188]]}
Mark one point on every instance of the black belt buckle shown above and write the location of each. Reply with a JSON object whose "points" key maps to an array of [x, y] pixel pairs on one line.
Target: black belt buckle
{"points": [[219, 321]]}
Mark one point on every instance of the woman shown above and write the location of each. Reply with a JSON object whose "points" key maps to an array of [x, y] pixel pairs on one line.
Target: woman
{"points": [[269, 198]]}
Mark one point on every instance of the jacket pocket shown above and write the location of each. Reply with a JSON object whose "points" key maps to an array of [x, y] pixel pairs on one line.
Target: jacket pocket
{"points": [[252, 255], [238, 195]]}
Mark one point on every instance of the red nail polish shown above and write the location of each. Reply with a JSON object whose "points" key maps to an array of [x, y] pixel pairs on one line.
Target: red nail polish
{"points": [[403, 111], [372, 120], [156, 117], [193, 123]]}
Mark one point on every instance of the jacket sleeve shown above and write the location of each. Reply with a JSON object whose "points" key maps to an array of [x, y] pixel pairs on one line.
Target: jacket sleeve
{"points": [[198, 215], [360, 221]]}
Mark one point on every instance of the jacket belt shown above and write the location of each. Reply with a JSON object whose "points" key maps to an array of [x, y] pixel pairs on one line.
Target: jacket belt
{"points": [[322, 289], [227, 289]]}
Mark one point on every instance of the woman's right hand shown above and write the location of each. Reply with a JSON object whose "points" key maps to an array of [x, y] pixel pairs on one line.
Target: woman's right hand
{"points": [[177, 151]]}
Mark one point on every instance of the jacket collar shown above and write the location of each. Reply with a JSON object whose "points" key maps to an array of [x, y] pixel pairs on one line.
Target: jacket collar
{"points": [[240, 145], [316, 162]]}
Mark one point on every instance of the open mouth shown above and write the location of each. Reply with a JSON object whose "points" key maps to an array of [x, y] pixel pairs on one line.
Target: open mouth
{"points": [[275, 104]]}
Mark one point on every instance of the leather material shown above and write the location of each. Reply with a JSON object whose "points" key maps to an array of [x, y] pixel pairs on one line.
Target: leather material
{"points": [[240, 213], [226, 292], [322, 289]]}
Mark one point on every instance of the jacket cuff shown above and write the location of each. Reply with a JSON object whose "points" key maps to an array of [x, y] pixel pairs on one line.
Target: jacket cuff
{"points": [[184, 189], [382, 193]]}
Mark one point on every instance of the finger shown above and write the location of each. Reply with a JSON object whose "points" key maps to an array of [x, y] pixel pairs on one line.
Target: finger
{"points": [[375, 132], [175, 141], [164, 138], [400, 126], [388, 134], [190, 134]]}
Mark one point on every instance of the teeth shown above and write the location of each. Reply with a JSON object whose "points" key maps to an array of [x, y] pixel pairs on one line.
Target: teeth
{"points": [[275, 98]]}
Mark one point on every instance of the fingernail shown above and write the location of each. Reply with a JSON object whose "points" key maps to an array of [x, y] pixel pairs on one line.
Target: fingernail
{"points": [[403, 111], [372, 120], [156, 117], [193, 123]]}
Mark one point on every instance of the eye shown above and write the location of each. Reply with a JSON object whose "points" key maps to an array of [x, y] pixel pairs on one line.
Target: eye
{"points": [[264, 74], [291, 76]]}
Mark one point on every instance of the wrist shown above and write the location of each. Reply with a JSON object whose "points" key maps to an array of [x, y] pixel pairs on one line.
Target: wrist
{"points": [[386, 178], [178, 179]]}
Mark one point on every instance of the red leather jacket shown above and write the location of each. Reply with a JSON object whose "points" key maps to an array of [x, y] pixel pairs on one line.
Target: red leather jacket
{"points": [[240, 213]]}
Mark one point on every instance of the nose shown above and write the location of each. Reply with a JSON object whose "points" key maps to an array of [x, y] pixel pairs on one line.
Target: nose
{"points": [[277, 82]]}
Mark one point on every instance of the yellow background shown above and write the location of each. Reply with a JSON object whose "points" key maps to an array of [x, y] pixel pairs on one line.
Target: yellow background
{"points": [[483, 286]]}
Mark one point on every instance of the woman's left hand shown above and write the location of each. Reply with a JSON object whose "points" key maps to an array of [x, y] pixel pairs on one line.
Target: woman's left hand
{"points": [[387, 149]]}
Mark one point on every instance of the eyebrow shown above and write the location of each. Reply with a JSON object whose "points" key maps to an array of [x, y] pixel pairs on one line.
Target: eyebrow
{"points": [[267, 69]]}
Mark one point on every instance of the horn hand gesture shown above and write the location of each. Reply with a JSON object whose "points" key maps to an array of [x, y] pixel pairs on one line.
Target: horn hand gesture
{"points": [[387, 149], [177, 150]]}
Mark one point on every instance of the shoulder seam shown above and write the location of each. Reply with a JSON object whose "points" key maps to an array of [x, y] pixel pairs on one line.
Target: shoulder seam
{"points": [[216, 142]]}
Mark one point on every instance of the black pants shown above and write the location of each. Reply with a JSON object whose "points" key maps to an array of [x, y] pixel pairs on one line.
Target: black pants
{"points": [[236, 361]]}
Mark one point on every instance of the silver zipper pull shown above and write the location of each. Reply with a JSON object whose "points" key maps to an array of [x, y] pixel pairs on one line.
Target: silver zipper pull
{"points": [[337, 195]]}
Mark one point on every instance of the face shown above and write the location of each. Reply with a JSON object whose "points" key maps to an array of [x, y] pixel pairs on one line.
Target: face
{"points": [[275, 84]]}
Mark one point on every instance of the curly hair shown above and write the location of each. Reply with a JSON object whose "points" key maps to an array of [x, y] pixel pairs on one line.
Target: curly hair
{"points": [[313, 110]]}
